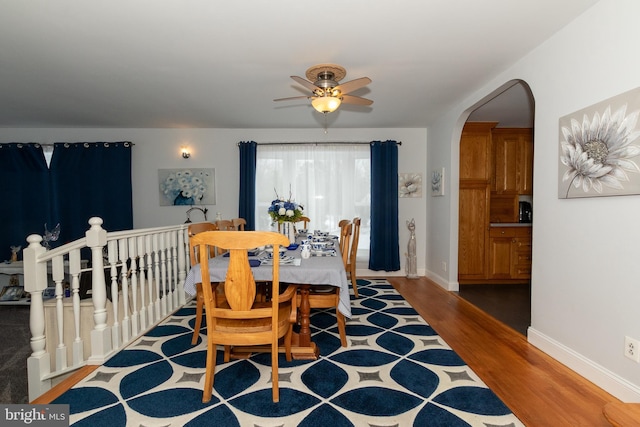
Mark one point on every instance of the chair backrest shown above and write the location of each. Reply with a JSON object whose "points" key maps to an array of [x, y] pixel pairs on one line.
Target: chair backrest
{"points": [[225, 225], [355, 236], [239, 285], [199, 227], [239, 223], [305, 221], [346, 229]]}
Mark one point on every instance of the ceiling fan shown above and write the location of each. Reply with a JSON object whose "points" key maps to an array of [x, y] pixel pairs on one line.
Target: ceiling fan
{"points": [[326, 93]]}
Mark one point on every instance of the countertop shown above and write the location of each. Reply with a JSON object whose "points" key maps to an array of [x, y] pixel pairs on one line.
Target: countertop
{"points": [[510, 224]]}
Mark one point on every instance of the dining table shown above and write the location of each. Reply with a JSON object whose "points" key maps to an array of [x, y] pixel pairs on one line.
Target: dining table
{"points": [[321, 268]]}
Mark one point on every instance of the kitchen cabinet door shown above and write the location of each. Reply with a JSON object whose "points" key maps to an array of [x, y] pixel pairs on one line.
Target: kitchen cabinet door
{"points": [[513, 161], [525, 165], [472, 232], [475, 151]]}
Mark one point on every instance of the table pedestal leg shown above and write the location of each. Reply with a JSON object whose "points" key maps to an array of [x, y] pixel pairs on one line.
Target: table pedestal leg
{"points": [[302, 348]]}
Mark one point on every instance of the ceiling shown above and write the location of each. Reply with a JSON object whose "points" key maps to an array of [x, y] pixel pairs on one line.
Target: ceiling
{"points": [[203, 63]]}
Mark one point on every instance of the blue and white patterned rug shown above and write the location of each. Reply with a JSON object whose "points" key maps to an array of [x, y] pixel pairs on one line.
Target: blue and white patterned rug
{"points": [[396, 371]]}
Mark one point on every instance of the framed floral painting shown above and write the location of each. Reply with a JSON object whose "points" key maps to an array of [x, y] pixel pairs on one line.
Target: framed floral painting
{"points": [[599, 149], [410, 185], [186, 187]]}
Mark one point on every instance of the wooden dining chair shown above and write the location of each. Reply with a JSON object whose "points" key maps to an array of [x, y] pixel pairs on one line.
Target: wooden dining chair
{"points": [[329, 296], [194, 229], [224, 225], [240, 320], [353, 251], [305, 223], [239, 223], [345, 227]]}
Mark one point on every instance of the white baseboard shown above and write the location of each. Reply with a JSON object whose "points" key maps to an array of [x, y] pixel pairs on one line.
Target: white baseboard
{"points": [[442, 281], [603, 378]]}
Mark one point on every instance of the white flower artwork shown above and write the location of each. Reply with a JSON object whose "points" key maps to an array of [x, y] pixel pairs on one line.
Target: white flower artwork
{"points": [[437, 182], [186, 187], [599, 149], [410, 185]]}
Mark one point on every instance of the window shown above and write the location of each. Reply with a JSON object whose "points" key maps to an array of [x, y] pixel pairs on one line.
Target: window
{"points": [[332, 182]]}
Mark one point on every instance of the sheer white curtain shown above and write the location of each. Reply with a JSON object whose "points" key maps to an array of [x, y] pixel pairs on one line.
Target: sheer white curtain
{"points": [[332, 182]]}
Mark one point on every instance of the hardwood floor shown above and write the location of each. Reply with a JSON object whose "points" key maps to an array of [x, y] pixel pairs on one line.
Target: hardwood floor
{"points": [[539, 390], [509, 303]]}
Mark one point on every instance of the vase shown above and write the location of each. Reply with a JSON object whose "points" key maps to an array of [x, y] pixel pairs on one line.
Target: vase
{"points": [[288, 230], [181, 200]]}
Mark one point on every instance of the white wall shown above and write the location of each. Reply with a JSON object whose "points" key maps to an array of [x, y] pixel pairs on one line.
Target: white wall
{"points": [[217, 148], [585, 284]]}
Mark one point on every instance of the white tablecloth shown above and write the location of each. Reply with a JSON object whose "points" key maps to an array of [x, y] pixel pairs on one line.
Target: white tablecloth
{"points": [[316, 270]]}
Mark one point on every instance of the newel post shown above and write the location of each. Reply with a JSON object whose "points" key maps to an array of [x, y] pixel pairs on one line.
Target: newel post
{"points": [[35, 281], [100, 335]]}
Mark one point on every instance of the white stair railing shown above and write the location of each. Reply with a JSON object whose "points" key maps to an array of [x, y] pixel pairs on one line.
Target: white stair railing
{"points": [[145, 271]]}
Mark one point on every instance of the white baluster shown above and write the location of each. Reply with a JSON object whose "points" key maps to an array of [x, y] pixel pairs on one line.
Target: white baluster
{"points": [[150, 279], [143, 283], [57, 272], [163, 267], [170, 270], [133, 271], [182, 266], [113, 271], [156, 266], [124, 283], [74, 270]]}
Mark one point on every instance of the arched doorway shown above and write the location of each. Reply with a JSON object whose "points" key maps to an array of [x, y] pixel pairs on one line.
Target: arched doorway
{"points": [[496, 201]]}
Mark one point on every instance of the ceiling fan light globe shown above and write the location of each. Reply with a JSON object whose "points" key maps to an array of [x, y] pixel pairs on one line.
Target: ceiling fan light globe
{"points": [[326, 104]]}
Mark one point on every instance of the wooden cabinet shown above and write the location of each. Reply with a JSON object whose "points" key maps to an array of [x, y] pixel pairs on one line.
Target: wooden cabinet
{"points": [[510, 253], [513, 161], [476, 168], [495, 167], [525, 165], [475, 151], [472, 230]]}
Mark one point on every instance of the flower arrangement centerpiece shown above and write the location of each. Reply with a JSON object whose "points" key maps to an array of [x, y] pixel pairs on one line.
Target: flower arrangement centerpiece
{"points": [[282, 210]]}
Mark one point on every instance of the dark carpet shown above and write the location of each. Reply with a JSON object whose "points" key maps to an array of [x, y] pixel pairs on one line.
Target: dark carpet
{"points": [[14, 350]]}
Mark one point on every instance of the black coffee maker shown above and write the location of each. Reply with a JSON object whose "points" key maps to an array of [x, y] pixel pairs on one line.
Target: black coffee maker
{"points": [[525, 212]]}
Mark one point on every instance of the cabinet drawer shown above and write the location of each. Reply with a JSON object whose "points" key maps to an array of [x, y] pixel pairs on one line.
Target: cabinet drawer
{"points": [[510, 232]]}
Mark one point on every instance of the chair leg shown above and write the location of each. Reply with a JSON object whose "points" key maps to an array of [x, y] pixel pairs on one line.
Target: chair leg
{"points": [[287, 343], [341, 328], [199, 305], [354, 280], [275, 388], [210, 368]]}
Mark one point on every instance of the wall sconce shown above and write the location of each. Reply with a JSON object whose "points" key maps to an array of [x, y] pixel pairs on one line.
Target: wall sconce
{"points": [[185, 152]]}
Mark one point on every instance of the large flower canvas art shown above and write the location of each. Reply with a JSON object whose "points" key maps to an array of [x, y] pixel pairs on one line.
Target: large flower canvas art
{"points": [[600, 149], [187, 187]]}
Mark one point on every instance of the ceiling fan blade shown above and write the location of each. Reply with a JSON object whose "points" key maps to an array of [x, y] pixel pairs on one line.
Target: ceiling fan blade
{"points": [[350, 99], [292, 97], [352, 85], [305, 83]]}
